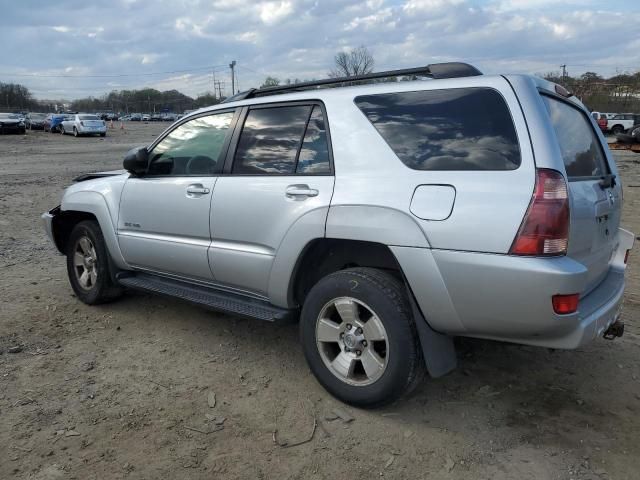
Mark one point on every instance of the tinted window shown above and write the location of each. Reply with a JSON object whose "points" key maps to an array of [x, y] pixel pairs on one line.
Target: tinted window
{"points": [[270, 140], [457, 129], [193, 148], [581, 150], [314, 154]]}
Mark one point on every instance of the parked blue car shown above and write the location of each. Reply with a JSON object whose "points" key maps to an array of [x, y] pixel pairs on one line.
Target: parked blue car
{"points": [[52, 123]]}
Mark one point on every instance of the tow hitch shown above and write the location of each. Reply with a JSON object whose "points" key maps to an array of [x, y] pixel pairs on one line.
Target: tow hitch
{"points": [[616, 329]]}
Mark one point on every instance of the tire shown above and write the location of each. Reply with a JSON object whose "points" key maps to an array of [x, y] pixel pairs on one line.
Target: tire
{"points": [[617, 129], [75, 132], [97, 286], [103, 134], [61, 128], [363, 295]]}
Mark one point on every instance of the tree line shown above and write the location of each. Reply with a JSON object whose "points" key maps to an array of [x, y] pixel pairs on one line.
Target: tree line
{"points": [[619, 93]]}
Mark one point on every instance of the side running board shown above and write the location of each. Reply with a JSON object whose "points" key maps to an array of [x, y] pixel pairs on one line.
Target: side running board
{"points": [[211, 298]]}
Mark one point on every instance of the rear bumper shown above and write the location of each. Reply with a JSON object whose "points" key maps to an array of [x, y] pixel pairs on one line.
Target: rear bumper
{"points": [[89, 130], [508, 298]]}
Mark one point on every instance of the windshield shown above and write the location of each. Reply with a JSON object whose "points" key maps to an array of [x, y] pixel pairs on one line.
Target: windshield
{"points": [[88, 117]]}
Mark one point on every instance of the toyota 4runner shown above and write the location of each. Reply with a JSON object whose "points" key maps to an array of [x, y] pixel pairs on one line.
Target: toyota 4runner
{"points": [[387, 217]]}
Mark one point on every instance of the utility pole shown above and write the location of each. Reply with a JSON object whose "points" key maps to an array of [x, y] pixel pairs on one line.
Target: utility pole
{"points": [[232, 66], [564, 72]]}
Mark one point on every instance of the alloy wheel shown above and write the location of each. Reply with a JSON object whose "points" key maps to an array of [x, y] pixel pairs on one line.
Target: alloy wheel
{"points": [[352, 341], [85, 262]]}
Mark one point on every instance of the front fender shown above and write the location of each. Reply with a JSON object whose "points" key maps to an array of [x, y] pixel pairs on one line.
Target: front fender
{"points": [[96, 204]]}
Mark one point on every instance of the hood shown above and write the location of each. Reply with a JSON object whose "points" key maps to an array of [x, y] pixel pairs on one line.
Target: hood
{"points": [[91, 176]]}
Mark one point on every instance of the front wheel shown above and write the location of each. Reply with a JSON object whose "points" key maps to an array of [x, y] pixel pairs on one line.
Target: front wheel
{"points": [[88, 264], [617, 129], [359, 337], [75, 132], [61, 128]]}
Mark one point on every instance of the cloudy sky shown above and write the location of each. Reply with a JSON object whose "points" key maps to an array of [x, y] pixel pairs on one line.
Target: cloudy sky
{"points": [[75, 48]]}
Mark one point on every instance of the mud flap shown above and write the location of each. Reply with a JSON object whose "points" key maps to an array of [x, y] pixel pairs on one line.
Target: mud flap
{"points": [[438, 350]]}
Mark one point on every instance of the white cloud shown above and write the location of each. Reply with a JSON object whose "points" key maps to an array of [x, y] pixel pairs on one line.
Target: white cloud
{"points": [[299, 38], [274, 12]]}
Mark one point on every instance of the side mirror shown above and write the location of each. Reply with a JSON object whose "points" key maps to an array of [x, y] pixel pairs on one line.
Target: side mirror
{"points": [[136, 160]]}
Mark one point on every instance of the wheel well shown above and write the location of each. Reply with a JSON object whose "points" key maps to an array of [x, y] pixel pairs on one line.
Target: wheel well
{"points": [[64, 222], [327, 255]]}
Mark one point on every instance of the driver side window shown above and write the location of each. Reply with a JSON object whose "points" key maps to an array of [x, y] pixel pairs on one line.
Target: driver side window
{"points": [[193, 148]]}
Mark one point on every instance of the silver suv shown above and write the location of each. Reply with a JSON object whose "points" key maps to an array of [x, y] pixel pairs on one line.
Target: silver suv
{"points": [[388, 217]]}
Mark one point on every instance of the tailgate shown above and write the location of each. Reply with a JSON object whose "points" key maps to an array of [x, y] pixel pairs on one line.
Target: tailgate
{"points": [[595, 195]]}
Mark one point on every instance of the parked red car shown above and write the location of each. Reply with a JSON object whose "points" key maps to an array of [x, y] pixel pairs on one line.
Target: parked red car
{"points": [[601, 120]]}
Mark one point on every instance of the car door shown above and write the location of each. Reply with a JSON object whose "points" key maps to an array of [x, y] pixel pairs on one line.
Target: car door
{"points": [[279, 170], [163, 223]]}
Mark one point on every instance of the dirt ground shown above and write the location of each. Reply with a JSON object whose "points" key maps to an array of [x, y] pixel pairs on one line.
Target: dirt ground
{"points": [[125, 390]]}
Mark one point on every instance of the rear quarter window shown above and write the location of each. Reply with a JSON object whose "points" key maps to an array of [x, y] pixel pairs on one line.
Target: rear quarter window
{"points": [[454, 129], [581, 150]]}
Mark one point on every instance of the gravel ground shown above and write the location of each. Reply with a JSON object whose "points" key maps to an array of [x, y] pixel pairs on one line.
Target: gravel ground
{"points": [[126, 390]]}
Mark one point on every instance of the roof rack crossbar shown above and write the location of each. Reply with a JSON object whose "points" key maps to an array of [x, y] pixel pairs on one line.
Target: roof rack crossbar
{"points": [[435, 71]]}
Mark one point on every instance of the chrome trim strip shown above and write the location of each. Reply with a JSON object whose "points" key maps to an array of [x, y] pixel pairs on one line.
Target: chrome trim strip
{"points": [[218, 244], [165, 238]]}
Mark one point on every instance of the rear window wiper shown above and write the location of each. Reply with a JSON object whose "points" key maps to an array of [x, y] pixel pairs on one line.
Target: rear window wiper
{"points": [[607, 181]]}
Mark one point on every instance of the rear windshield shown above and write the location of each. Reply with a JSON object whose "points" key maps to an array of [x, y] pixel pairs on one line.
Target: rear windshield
{"points": [[581, 150], [455, 129], [88, 117]]}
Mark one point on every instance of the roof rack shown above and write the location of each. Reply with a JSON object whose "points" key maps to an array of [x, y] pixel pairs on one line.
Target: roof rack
{"points": [[435, 71]]}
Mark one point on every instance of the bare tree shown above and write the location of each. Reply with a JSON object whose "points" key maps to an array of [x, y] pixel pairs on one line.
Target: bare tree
{"points": [[270, 82], [358, 61]]}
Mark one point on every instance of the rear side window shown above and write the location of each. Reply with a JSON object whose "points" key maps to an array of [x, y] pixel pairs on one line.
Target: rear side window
{"points": [[283, 141], [456, 129], [581, 150]]}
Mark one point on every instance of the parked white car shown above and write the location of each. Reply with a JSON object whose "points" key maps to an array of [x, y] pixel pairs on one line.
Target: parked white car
{"points": [[622, 122], [83, 124]]}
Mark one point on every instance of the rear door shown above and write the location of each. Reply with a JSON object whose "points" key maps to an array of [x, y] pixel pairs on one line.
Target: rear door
{"points": [[281, 170], [595, 196]]}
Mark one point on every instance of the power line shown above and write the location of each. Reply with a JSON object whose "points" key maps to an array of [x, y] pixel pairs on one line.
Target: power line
{"points": [[43, 75]]}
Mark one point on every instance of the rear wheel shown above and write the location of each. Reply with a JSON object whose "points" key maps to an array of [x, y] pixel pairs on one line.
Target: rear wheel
{"points": [[88, 265], [617, 129], [359, 337]]}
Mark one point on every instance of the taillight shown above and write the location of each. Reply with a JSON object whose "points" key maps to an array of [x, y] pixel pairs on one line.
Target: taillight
{"points": [[545, 228], [565, 304]]}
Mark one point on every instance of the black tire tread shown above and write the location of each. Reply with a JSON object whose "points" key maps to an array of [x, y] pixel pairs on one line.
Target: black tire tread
{"points": [[395, 293]]}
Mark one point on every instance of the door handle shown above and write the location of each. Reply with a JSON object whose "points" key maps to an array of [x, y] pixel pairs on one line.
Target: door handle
{"points": [[301, 191], [197, 189]]}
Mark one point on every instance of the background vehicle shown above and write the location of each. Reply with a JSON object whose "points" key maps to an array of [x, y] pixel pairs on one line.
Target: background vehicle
{"points": [[387, 217], [136, 117], [145, 117], [622, 122], [12, 123], [601, 119], [35, 121], [83, 124], [52, 122]]}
